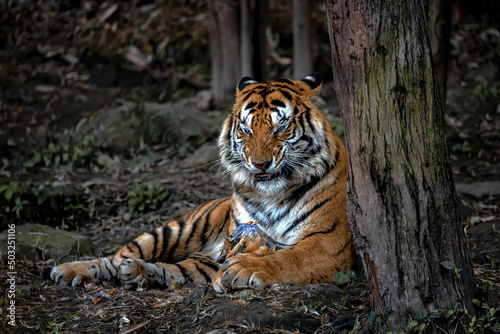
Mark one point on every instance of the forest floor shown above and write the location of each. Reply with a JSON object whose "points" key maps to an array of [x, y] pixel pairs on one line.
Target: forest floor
{"points": [[99, 187]]}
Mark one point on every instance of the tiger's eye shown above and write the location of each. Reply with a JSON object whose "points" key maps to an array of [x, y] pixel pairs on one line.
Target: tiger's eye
{"points": [[246, 130], [281, 128]]}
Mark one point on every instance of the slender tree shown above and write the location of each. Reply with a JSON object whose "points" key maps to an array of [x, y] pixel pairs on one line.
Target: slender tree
{"points": [[302, 55], [224, 47], [402, 203], [246, 39], [259, 40]]}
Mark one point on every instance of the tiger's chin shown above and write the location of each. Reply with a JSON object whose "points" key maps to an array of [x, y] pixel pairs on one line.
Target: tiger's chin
{"points": [[266, 184], [270, 185]]}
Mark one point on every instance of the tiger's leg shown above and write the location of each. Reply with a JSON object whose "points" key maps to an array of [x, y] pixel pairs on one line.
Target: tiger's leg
{"points": [[198, 268], [314, 259], [202, 230]]}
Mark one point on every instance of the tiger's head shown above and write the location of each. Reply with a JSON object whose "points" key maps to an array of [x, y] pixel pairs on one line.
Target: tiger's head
{"points": [[276, 138]]}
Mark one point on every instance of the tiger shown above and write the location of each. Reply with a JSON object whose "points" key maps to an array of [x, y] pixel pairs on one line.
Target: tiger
{"points": [[285, 223]]}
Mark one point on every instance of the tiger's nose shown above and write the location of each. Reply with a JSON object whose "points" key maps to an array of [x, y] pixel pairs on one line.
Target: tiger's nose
{"points": [[262, 164]]}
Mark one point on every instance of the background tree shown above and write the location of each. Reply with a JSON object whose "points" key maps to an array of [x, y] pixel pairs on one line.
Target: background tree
{"points": [[224, 47], [439, 18], [402, 202], [302, 54], [246, 39]]}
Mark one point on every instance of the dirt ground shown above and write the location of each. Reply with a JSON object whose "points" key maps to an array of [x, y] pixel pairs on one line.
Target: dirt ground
{"points": [[48, 88], [44, 307]]}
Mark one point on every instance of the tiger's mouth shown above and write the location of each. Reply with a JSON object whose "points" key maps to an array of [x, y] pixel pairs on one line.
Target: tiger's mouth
{"points": [[263, 177]]}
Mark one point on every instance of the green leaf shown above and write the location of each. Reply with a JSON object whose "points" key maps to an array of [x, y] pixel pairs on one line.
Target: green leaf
{"points": [[448, 265], [373, 317], [386, 309], [421, 315], [47, 160], [8, 193], [412, 324], [341, 278], [435, 314]]}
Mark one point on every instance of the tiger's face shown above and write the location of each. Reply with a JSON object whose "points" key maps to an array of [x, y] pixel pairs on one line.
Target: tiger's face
{"points": [[274, 136]]}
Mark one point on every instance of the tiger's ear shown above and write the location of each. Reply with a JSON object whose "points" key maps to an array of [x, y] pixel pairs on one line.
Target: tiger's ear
{"points": [[244, 82], [314, 82]]}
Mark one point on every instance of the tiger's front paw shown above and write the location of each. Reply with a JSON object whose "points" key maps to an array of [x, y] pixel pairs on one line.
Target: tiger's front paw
{"points": [[71, 273], [136, 272], [244, 270]]}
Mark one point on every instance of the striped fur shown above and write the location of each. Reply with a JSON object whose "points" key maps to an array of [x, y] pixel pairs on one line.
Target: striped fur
{"points": [[289, 172]]}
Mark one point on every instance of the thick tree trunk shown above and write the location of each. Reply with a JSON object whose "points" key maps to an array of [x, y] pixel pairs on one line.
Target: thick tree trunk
{"points": [[224, 47], [439, 18], [402, 203], [302, 58]]}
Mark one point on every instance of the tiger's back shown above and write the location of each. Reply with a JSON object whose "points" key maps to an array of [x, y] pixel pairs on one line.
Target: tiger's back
{"points": [[289, 172]]}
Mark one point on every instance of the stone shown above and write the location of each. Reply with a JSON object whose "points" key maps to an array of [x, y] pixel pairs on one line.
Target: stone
{"points": [[37, 242]]}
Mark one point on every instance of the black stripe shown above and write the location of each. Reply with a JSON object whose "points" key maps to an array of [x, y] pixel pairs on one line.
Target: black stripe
{"points": [[231, 127], [330, 230], [183, 272], [278, 103], [337, 155], [287, 81], [251, 105], [136, 244], [172, 249], [205, 214], [201, 271], [344, 247], [300, 191], [107, 268], [287, 88], [237, 221], [166, 237], [209, 263], [286, 95], [155, 236], [204, 236], [303, 216], [164, 275]]}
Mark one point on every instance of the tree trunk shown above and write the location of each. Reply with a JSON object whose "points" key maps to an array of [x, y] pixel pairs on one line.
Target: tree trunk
{"points": [[493, 8], [302, 58], [402, 203], [224, 48], [246, 39], [259, 40], [439, 18]]}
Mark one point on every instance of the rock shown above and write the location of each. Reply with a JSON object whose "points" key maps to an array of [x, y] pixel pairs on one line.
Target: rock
{"points": [[207, 154], [203, 99], [106, 161], [479, 189], [36, 242]]}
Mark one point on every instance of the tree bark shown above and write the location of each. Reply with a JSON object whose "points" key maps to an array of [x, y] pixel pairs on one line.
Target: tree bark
{"points": [[402, 203], [259, 40], [493, 8], [246, 39], [224, 47], [302, 58], [439, 18]]}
